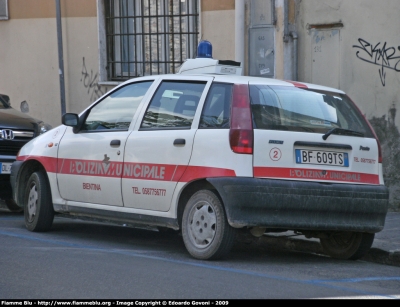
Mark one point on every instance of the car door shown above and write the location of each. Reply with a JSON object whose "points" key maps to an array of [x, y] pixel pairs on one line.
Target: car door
{"points": [[90, 161], [159, 149]]}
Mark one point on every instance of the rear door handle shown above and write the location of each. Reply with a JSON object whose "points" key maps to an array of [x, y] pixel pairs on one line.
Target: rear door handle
{"points": [[179, 142], [115, 143]]}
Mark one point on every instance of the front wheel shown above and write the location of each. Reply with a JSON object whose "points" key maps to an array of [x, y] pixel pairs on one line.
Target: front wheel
{"points": [[38, 207], [205, 229], [347, 245]]}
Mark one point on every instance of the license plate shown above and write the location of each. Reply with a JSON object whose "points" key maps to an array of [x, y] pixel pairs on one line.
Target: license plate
{"points": [[322, 157], [5, 168]]}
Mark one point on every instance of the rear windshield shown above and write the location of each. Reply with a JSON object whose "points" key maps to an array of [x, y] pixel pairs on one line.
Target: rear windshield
{"points": [[295, 109]]}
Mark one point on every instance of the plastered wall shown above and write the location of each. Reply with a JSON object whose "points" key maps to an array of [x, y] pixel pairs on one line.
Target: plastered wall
{"points": [[218, 27], [29, 56], [367, 64]]}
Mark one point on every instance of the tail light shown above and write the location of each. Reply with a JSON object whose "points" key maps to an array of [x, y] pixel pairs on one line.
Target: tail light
{"points": [[241, 131]]}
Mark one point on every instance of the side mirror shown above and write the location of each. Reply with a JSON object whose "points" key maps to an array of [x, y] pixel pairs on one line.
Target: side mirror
{"points": [[70, 119], [5, 99]]}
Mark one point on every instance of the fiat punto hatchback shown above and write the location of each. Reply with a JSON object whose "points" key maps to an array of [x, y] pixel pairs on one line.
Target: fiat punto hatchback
{"points": [[210, 152]]}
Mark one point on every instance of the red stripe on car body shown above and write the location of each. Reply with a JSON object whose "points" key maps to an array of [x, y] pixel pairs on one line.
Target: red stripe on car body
{"points": [[143, 171], [49, 163], [314, 175]]}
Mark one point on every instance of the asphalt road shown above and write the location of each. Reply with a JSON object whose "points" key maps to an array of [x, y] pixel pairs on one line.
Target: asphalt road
{"points": [[85, 260]]}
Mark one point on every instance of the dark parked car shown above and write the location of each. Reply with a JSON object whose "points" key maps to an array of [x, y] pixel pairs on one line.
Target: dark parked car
{"points": [[16, 129]]}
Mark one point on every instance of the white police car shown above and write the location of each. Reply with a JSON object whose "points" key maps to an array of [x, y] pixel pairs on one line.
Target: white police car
{"points": [[209, 151]]}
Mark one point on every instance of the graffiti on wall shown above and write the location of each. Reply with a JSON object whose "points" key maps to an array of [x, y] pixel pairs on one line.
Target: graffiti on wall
{"points": [[90, 82], [380, 55]]}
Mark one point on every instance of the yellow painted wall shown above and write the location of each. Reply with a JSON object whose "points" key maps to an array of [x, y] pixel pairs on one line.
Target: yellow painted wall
{"points": [[213, 5], [223, 39], [23, 9]]}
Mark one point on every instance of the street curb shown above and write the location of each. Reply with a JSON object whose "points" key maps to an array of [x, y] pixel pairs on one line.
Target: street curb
{"points": [[374, 255], [383, 257]]}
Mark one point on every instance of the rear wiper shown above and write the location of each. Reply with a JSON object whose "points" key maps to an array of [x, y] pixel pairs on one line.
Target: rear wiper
{"points": [[341, 131]]}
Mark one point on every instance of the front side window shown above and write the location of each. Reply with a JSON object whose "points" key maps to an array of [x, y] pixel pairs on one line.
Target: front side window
{"points": [[295, 109], [116, 111], [173, 106], [146, 37]]}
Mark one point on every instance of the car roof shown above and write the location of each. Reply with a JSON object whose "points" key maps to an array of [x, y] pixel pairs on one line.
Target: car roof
{"points": [[230, 72], [243, 80]]}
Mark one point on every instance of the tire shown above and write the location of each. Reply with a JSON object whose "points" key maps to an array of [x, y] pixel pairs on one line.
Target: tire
{"points": [[347, 245], [38, 207], [205, 229], [12, 206]]}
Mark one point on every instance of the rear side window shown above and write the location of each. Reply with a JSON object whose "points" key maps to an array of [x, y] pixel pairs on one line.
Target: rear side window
{"points": [[173, 105], [217, 107], [295, 109]]}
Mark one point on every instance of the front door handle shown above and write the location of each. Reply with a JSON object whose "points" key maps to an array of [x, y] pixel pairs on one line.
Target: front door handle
{"points": [[115, 143], [179, 142]]}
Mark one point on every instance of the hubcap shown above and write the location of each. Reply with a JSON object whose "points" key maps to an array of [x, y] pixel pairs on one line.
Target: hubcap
{"points": [[202, 225], [32, 203]]}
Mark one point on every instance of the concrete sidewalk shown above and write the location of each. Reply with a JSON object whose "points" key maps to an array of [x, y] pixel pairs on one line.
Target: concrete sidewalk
{"points": [[384, 250]]}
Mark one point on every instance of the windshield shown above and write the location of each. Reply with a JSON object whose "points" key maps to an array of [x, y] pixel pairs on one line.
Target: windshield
{"points": [[296, 109]]}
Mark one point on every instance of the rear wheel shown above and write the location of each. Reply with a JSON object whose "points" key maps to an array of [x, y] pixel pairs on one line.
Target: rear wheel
{"points": [[347, 245], [38, 207], [205, 229]]}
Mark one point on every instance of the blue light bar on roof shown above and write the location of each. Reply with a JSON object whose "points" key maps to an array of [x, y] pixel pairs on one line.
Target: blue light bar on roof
{"points": [[204, 49]]}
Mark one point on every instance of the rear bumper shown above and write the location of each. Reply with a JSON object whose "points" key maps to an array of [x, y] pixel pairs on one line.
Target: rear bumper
{"points": [[299, 205]]}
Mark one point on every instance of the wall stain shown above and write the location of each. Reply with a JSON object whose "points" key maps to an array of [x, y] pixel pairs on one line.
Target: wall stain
{"points": [[389, 137]]}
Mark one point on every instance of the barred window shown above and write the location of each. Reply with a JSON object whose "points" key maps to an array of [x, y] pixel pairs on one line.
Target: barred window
{"points": [[146, 37]]}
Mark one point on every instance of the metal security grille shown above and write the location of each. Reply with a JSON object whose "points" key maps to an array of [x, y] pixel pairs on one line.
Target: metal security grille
{"points": [[146, 37]]}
